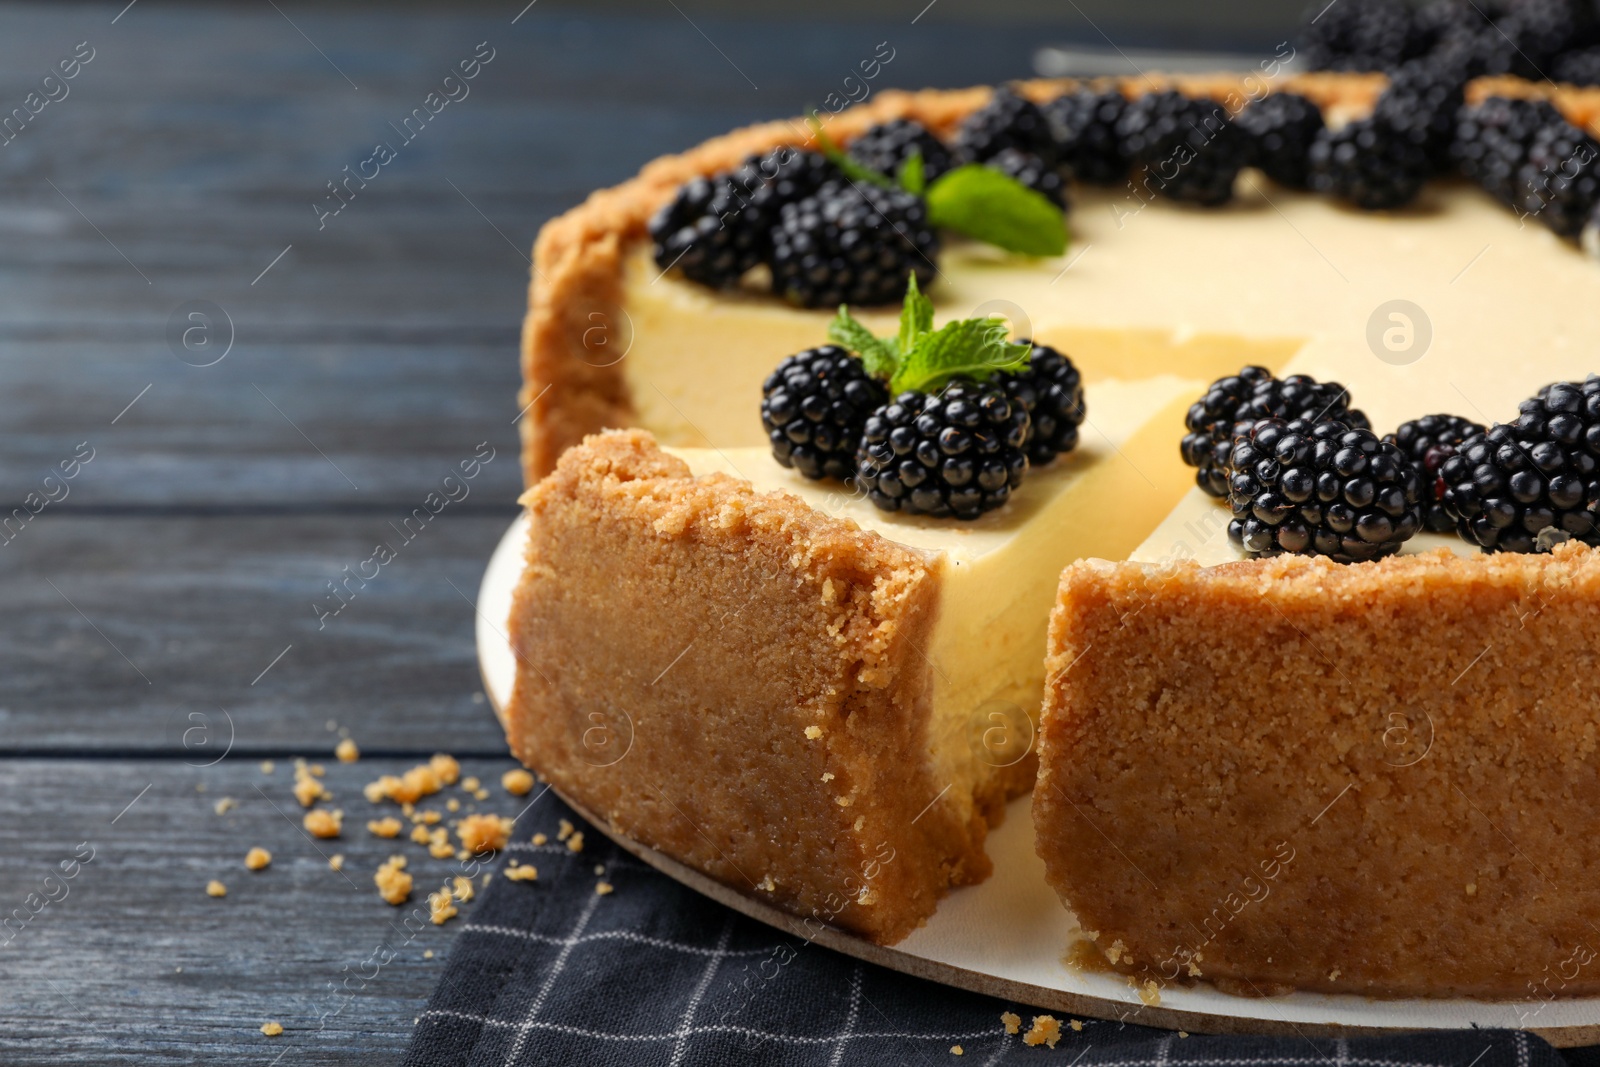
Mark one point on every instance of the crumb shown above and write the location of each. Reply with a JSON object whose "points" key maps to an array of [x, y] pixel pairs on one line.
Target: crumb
{"points": [[485, 833], [1012, 1021], [439, 846], [257, 858], [200, 788], [767, 884], [539, 839], [957, 1050], [813, 732], [320, 822], [1150, 993], [1077, 1025], [827, 776], [428, 955], [1333, 975], [486, 876], [525, 873], [429, 817], [480, 794], [318, 769], [519, 783], [307, 790], [1183, 1033], [379, 790], [603, 889], [563, 830], [336, 861], [575, 842], [388, 826], [215, 888], [463, 854], [461, 888], [394, 884], [1046, 1030], [420, 781], [1472, 889], [470, 783], [440, 908], [1116, 952], [599, 868], [420, 835], [452, 805], [408, 809], [272, 1029], [446, 768], [227, 804], [346, 751], [266, 766]]}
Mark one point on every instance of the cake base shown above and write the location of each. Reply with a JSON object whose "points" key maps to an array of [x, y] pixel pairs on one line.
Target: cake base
{"points": [[1006, 937]]}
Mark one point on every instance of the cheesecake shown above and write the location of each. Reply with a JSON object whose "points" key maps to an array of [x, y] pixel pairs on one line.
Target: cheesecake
{"points": [[826, 705]]}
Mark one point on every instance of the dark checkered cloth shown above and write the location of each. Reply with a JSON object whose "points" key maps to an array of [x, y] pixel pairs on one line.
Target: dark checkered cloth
{"points": [[552, 972]]}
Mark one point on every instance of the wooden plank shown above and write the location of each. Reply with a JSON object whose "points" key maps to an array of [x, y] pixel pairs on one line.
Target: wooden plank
{"points": [[136, 964], [120, 627]]}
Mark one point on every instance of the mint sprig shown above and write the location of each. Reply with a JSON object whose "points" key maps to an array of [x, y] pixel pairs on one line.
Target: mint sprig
{"points": [[922, 359], [974, 200]]}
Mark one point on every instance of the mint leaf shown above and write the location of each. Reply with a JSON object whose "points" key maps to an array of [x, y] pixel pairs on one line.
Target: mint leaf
{"points": [[967, 348], [912, 175], [985, 204], [916, 316], [878, 356], [848, 166]]}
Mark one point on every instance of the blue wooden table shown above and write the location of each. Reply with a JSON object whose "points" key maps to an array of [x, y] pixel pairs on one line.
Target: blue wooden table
{"points": [[262, 270]]}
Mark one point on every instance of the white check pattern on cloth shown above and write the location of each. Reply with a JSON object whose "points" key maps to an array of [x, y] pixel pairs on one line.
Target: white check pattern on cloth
{"points": [[550, 972]]}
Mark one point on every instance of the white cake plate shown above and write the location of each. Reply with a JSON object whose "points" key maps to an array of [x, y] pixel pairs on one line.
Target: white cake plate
{"points": [[1006, 938]]}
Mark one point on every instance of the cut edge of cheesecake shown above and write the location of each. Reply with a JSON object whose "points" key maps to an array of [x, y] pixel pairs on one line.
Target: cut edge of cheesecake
{"points": [[1295, 774], [738, 680]]}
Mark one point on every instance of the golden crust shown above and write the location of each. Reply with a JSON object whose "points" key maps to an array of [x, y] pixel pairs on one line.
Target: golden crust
{"points": [[736, 679], [1378, 778]]}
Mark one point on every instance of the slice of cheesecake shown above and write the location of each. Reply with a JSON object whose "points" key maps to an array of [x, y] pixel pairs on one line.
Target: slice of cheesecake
{"points": [[810, 699]]}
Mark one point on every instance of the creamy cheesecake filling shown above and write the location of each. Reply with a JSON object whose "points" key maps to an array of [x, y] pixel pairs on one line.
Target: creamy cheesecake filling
{"points": [[997, 575]]}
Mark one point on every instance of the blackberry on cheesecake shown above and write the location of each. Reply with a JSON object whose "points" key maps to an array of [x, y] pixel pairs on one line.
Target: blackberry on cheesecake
{"points": [[1559, 184], [1050, 390], [1492, 139], [1281, 128], [1008, 120], [1427, 442], [1371, 163], [813, 407], [852, 242], [1185, 148], [1085, 127], [1320, 488], [1033, 172], [886, 146]]}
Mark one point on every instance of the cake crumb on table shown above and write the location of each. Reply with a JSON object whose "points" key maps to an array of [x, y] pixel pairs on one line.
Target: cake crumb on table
{"points": [[599, 869], [1077, 1025], [1150, 993], [519, 783], [525, 873], [307, 788], [461, 887], [272, 1029], [539, 839], [346, 751], [484, 833], [1012, 1021], [393, 883], [480, 794], [428, 955], [1046, 1030], [215, 888], [441, 908], [446, 768], [564, 830], [388, 826], [429, 817], [957, 1050], [257, 858], [420, 835], [470, 783], [227, 804], [319, 822], [336, 861], [603, 889], [1183, 1033], [452, 805], [439, 846], [267, 766], [575, 842]]}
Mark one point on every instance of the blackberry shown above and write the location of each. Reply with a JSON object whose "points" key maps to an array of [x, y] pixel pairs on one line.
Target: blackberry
{"points": [[1187, 149], [887, 145], [1515, 480], [1006, 121], [1239, 399], [1492, 139], [813, 407], [852, 243], [1085, 127], [696, 238], [1359, 35], [1369, 163], [1540, 29], [1281, 128], [1443, 20], [1421, 102], [717, 228], [1560, 182], [1033, 172], [1427, 442], [1322, 489], [1051, 392], [958, 452], [1580, 66]]}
